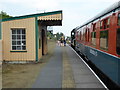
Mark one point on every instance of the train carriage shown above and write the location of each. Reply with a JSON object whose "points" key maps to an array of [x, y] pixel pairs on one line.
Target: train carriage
{"points": [[99, 40], [73, 38]]}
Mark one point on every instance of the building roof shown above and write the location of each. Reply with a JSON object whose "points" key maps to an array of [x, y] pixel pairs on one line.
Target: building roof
{"points": [[32, 15]]}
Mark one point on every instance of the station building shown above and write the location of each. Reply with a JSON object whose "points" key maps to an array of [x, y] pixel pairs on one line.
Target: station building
{"points": [[24, 38]]}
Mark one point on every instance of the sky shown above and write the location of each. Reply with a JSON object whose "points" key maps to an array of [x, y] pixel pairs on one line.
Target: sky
{"points": [[75, 12]]}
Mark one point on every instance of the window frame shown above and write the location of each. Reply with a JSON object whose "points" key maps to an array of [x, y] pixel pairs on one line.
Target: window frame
{"points": [[105, 23], [106, 49], [18, 39]]}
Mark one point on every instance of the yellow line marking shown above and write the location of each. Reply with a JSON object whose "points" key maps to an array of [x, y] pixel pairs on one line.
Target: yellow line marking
{"points": [[68, 79]]}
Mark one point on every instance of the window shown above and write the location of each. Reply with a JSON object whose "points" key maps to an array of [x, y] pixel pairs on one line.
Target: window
{"points": [[118, 19], [88, 35], [83, 34], [93, 36], [105, 23], [118, 42], [101, 24], [108, 22], [82, 38], [94, 26], [18, 39], [77, 35], [80, 35], [104, 40]]}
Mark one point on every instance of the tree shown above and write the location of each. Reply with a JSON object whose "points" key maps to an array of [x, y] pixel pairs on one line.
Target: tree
{"points": [[56, 36], [59, 35], [50, 35], [4, 15]]}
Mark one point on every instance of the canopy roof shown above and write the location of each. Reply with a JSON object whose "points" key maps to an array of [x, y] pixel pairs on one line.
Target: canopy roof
{"points": [[48, 18]]}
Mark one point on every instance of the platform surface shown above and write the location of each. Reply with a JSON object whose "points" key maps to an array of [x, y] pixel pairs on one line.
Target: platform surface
{"points": [[66, 70]]}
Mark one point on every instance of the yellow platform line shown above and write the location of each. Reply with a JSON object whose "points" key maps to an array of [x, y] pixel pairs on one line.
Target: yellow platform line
{"points": [[67, 79]]}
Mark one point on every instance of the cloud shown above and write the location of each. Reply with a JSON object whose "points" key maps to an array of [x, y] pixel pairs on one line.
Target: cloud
{"points": [[32, 3], [44, 4], [75, 12], [47, 4]]}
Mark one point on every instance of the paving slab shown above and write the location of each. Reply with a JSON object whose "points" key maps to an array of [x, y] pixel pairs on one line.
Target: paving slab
{"points": [[89, 85], [83, 76], [51, 74], [66, 70]]}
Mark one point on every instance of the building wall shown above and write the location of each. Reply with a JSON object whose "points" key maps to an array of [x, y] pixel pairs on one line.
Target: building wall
{"points": [[0, 51], [44, 41], [29, 25], [40, 43]]}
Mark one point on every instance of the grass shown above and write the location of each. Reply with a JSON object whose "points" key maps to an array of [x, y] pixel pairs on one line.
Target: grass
{"points": [[24, 75]]}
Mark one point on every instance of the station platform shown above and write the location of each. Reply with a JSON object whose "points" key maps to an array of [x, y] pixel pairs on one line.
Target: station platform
{"points": [[66, 69]]}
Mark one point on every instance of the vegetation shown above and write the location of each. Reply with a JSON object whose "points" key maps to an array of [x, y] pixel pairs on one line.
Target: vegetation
{"points": [[50, 35], [4, 15], [59, 35], [56, 36]]}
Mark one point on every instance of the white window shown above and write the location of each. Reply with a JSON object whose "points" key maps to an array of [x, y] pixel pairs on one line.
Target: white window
{"points": [[18, 39]]}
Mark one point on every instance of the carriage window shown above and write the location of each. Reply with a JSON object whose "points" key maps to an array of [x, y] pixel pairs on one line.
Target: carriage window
{"points": [[80, 35], [119, 19], [101, 24], [108, 22], [105, 24], [82, 38], [93, 36], [88, 34], [77, 35], [118, 42], [104, 40], [94, 26]]}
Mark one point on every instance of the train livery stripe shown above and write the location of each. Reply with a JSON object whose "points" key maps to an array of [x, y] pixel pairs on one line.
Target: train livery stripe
{"points": [[103, 52]]}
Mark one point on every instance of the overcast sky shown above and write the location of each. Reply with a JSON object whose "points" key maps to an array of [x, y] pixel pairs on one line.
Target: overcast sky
{"points": [[75, 12]]}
